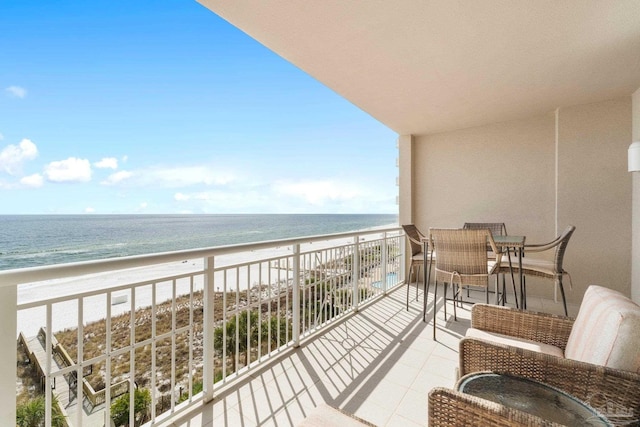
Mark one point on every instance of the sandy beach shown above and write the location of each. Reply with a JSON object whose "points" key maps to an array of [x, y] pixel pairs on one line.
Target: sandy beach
{"points": [[65, 313]]}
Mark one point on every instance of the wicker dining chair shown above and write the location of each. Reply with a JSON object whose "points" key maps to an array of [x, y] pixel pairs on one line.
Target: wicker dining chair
{"points": [[552, 270], [462, 261], [417, 257], [497, 229]]}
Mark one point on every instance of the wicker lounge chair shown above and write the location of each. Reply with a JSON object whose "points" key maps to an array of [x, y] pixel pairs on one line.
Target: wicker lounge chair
{"points": [[462, 261], [595, 357]]}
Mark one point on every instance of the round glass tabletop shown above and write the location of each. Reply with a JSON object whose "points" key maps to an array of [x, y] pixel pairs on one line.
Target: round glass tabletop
{"points": [[532, 397]]}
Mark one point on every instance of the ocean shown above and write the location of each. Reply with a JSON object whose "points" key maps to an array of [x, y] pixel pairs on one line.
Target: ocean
{"points": [[37, 240]]}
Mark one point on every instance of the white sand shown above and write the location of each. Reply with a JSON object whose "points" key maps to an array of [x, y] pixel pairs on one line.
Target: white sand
{"points": [[65, 314]]}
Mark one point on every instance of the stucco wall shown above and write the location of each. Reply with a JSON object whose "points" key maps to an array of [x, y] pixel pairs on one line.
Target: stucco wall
{"points": [[635, 252], [484, 174], [506, 172], [594, 192]]}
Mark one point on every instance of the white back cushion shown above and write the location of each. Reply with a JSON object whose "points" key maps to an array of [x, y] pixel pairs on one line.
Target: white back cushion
{"points": [[606, 331]]}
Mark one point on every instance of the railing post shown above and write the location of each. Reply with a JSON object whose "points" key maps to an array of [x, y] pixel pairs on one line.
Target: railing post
{"points": [[295, 300], [208, 328], [9, 319], [355, 277], [385, 262]]}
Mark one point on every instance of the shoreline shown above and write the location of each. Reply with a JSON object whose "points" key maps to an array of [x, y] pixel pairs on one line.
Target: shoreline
{"points": [[65, 313]]}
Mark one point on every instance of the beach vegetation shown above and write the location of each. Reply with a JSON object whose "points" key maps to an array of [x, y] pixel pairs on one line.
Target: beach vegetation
{"points": [[141, 406], [238, 333], [198, 386], [31, 413]]}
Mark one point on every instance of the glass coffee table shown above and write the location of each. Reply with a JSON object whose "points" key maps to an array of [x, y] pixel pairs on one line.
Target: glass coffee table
{"points": [[531, 397]]}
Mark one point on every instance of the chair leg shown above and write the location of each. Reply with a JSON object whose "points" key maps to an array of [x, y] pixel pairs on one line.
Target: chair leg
{"points": [[408, 285], [435, 299], [446, 285], [426, 300], [456, 290], [417, 275], [515, 292], [564, 301], [504, 289]]}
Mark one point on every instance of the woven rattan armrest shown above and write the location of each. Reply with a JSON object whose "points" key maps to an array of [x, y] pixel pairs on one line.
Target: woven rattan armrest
{"points": [[450, 408], [612, 391], [541, 327]]}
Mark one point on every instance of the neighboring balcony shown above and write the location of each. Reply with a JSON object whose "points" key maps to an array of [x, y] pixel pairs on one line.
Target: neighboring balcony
{"points": [[165, 333]]}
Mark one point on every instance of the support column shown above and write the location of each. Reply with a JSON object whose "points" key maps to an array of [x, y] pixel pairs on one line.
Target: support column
{"points": [[405, 179], [405, 192]]}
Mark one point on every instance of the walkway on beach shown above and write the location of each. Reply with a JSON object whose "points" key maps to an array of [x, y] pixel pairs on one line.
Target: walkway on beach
{"points": [[92, 416]]}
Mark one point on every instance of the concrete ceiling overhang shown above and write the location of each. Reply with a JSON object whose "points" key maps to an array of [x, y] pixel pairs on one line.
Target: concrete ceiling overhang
{"points": [[422, 66]]}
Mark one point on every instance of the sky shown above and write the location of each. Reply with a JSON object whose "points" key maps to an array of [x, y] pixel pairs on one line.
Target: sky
{"points": [[114, 107]]}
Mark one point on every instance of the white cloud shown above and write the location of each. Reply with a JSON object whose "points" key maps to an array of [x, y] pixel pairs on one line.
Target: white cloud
{"points": [[1, 137], [279, 197], [34, 181], [69, 170], [185, 176], [89, 210], [12, 156], [175, 177], [238, 200], [107, 163], [317, 192], [116, 178], [125, 158], [16, 91]]}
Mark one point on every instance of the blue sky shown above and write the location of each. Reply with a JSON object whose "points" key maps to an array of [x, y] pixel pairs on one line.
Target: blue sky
{"points": [[163, 107]]}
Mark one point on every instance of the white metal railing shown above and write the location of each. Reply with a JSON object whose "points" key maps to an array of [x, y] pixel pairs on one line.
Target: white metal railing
{"points": [[189, 321]]}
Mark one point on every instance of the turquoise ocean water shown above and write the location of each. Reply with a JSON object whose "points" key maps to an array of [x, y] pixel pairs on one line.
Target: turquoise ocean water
{"points": [[36, 240]]}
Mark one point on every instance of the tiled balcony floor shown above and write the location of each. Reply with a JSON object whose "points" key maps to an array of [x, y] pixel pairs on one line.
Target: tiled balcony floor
{"points": [[378, 364]]}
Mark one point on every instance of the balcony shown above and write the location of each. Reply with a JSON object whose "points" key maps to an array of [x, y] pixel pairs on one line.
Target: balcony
{"points": [[155, 322], [378, 364]]}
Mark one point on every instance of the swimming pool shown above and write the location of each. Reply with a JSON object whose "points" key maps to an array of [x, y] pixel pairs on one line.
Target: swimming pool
{"points": [[392, 280]]}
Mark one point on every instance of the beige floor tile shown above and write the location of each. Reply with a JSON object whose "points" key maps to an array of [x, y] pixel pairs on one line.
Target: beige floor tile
{"points": [[379, 364], [397, 420], [387, 394], [368, 410], [425, 381], [414, 407]]}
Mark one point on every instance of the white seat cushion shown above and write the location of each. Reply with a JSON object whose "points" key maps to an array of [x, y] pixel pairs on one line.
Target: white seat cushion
{"points": [[606, 330], [541, 265], [420, 257], [514, 342]]}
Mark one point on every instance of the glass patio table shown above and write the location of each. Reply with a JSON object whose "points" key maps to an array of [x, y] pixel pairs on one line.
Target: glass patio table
{"points": [[541, 400], [515, 243]]}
